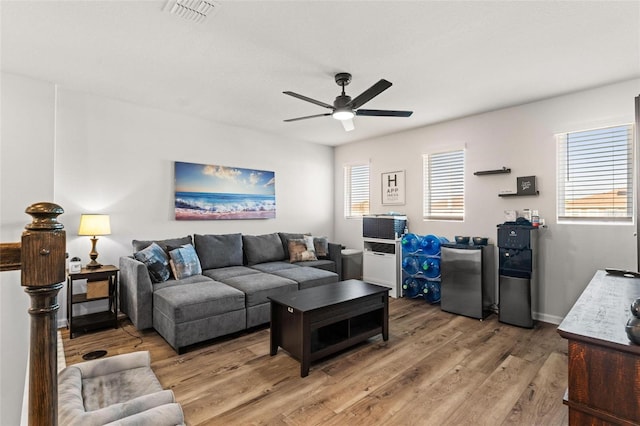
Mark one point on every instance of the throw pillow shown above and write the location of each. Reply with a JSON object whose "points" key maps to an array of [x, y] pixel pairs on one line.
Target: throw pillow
{"points": [[285, 237], [298, 251], [262, 248], [308, 240], [219, 251], [321, 245], [185, 262], [156, 261]]}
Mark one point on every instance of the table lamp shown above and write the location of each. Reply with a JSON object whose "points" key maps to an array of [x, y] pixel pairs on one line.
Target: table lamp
{"points": [[93, 225]]}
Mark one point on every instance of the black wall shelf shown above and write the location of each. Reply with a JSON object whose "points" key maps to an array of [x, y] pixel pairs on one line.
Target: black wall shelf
{"points": [[503, 170], [511, 194]]}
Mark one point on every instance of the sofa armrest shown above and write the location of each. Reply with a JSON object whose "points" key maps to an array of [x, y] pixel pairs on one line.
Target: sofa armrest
{"points": [[136, 292], [335, 254]]}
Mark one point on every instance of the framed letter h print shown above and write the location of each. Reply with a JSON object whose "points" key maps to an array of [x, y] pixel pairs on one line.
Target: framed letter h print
{"points": [[393, 187]]}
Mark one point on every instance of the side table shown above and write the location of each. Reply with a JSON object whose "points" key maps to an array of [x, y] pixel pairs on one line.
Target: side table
{"points": [[102, 284]]}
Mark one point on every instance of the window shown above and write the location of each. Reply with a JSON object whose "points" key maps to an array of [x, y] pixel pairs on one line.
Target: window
{"points": [[356, 190], [443, 186], [595, 175]]}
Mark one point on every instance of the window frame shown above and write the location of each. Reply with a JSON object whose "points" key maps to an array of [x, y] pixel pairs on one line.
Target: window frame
{"points": [[349, 211], [563, 169], [456, 211]]}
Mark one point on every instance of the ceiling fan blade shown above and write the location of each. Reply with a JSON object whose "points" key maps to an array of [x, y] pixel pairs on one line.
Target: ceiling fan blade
{"points": [[304, 98], [370, 93], [348, 125], [308, 116], [383, 113]]}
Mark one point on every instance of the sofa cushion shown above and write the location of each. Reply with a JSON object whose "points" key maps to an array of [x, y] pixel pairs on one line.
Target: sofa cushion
{"points": [[219, 274], [189, 280], [257, 287], [307, 277], [156, 261], [262, 248], [298, 251], [191, 302], [185, 262], [173, 242], [219, 251], [327, 265], [269, 267]]}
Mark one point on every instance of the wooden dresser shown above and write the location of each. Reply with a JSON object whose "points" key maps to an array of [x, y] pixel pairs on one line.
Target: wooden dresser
{"points": [[604, 366]]}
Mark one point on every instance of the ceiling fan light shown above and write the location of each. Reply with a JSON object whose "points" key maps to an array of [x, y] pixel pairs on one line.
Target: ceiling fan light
{"points": [[343, 114]]}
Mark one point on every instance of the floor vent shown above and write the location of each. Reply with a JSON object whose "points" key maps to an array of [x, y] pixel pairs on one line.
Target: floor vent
{"points": [[192, 10]]}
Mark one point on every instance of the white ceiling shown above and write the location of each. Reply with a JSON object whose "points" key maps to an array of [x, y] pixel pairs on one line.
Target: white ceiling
{"points": [[445, 59]]}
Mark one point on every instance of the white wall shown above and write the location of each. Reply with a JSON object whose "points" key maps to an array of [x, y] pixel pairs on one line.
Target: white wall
{"points": [[117, 158], [521, 138], [26, 177]]}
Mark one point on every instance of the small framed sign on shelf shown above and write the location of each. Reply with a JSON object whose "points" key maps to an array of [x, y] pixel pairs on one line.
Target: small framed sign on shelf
{"points": [[527, 185], [393, 188]]}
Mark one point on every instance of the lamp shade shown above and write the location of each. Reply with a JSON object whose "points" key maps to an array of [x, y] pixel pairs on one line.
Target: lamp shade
{"points": [[94, 224]]}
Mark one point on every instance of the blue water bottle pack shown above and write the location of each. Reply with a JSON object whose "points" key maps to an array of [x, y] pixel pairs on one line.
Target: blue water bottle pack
{"points": [[421, 266]]}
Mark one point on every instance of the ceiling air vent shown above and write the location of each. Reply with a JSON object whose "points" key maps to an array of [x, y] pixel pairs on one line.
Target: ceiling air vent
{"points": [[193, 10]]}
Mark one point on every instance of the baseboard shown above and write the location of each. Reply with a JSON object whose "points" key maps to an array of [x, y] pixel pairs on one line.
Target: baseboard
{"points": [[62, 323], [551, 319]]}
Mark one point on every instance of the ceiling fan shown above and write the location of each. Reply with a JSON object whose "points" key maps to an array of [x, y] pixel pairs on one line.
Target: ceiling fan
{"points": [[344, 108]]}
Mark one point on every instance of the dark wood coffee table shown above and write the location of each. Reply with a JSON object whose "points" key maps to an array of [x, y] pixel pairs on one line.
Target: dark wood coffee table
{"points": [[313, 323]]}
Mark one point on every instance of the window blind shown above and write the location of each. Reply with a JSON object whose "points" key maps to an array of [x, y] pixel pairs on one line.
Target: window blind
{"points": [[443, 186], [356, 190], [595, 175]]}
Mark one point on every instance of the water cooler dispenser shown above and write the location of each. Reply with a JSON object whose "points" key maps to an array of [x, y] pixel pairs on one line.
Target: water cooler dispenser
{"points": [[517, 285]]}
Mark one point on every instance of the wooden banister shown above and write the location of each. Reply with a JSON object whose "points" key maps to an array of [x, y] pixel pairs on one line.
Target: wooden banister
{"points": [[41, 258], [10, 256]]}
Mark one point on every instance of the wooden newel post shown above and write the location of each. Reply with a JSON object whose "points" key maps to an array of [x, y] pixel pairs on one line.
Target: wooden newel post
{"points": [[43, 274]]}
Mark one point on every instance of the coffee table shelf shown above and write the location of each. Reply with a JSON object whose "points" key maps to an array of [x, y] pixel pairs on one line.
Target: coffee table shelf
{"points": [[314, 323]]}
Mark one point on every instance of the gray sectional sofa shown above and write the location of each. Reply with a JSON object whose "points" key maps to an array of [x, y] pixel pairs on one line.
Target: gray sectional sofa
{"points": [[238, 274]]}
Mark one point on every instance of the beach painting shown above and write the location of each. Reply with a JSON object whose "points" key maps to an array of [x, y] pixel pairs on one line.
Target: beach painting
{"points": [[207, 192]]}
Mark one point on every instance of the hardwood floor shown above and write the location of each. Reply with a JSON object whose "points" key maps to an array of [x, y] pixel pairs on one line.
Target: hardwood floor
{"points": [[436, 369]]}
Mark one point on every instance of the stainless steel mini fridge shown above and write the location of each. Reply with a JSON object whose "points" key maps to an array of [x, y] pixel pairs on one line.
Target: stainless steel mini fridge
{"points": [[468, 279]]}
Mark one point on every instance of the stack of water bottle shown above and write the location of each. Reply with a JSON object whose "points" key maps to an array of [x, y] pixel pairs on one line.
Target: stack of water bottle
{"points": [[421, 266]]}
